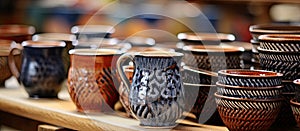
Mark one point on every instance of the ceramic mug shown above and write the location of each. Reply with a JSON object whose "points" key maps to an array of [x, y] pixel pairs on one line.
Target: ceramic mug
{"points": [[67, 38], [42, 70], [5, 47], [156, 95], [92, 79]]}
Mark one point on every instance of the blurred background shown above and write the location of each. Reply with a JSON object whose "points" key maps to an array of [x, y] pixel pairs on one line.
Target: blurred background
{"points": [[226, 16]]}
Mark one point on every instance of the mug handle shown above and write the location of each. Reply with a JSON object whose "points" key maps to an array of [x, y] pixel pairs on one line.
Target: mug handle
{"points": [[122, 59], [12, 63]]}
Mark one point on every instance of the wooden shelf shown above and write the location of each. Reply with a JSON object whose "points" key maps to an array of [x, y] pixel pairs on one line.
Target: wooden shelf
{"points": [[62, 112]]}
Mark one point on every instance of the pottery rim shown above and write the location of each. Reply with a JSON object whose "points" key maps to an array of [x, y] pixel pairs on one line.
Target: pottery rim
{"points": [[92, 29], [54, 36], [249, 88], [246, 99], [246, 73], [93, 52], [212, 48], [274, 28], [43, 44], [206, 36]]}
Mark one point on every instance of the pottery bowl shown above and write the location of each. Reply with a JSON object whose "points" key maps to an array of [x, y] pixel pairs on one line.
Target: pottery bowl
{"points": [[257, 30], [241, 114], [296, 110], [297, 90], [249, 92], [287, 63], [280, 42], [213, 58], [249, 78]]}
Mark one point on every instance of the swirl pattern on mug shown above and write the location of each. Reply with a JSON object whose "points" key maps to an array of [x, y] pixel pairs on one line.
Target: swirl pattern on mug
{"points": [[157, 96], [92, 90]]}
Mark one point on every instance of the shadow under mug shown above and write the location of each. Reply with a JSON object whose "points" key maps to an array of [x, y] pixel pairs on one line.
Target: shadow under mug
{"points": [[156, 94], [92, 79], [42, 70]]}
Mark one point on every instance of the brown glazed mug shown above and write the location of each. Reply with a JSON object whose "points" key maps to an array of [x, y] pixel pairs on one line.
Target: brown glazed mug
{"points": [[5, 47], [67, 38], [17, 33], [156, 94], [42, 70], [92, 79]]}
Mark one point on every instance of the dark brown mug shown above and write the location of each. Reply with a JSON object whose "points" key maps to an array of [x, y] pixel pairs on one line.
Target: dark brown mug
{"points": [[42, 71], [67, 38]]}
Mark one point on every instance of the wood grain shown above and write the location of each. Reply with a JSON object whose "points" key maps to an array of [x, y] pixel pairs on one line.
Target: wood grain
{"points": [[62, 112]]}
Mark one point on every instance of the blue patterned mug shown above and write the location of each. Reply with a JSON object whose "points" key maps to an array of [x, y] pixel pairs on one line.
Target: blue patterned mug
{"points": [[156, 94]]}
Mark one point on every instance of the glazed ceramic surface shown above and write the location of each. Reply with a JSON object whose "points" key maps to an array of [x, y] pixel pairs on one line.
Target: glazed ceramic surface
{"points": [[297, 89], [156, 94], [249, 78], [286, 63], [249, 92], [280, 42], [296, 110], [42, 71], [259, 114], [5, 46], [213, 58], [92, 80], [257, 30], [67, 38]]}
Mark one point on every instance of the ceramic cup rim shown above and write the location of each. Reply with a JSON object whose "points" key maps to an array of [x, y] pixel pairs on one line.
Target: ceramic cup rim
{"points": [[262, 73], [43, 44], [217, 95], [158, 53], [85, 29], [212, 48], [95, 52], [294, 102], [274, 28], [54, 36], [200, 36], [248, 88], [279, 38]]}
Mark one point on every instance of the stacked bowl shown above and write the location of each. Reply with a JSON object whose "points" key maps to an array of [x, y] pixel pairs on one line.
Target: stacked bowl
{"points": [[280, 53], [248, 99], [262, 29]]}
